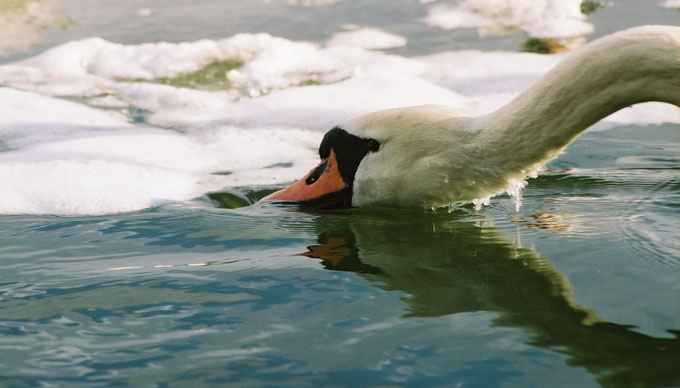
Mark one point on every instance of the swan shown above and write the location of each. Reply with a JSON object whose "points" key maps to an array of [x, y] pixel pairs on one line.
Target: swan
{"points": [[431, 156]]}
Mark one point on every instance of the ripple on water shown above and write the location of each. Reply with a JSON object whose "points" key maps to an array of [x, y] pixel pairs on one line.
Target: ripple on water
{"points": [[650, 230], [646, 216], [637, 206]]}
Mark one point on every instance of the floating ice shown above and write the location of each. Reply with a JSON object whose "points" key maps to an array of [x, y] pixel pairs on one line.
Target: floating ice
{"points": [[367, 38], [671, 4], [539, 18]]}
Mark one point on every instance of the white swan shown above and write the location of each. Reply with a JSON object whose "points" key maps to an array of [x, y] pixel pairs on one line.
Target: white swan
{"points": [[432, 156]]}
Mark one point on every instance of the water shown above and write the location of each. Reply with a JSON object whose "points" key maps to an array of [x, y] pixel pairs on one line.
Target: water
{"points": [[128, 258]]}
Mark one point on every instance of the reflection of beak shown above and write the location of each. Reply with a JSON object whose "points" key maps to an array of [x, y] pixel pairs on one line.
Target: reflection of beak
{"points": [[333, 251], [323, 187]]}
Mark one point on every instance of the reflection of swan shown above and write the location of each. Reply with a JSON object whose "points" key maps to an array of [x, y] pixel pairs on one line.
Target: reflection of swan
{"points": [[427, 156], [448, 266]]}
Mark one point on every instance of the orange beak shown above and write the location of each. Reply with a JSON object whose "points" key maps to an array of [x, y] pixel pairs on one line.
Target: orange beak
{"points": [[322, 187]]}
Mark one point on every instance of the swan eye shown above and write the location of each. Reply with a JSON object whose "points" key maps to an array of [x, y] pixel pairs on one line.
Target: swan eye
{"points": [[373, 145], [314, 176]]}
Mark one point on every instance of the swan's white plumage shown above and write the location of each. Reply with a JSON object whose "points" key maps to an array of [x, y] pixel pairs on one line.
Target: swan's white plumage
{"points": [[432, 156]]}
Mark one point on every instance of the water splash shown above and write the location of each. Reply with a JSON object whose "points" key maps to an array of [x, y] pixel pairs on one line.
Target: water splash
{"points": [[514, 190], [480, 202]]}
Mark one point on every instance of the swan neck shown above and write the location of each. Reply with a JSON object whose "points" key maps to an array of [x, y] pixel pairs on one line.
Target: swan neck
{"points": [[600, 79]]}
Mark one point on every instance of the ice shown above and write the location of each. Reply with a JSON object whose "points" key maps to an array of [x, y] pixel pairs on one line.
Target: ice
{"points": [[478, 75], [72, 159], [539, 18], [94, 66], [670, 4], [367, 38], [29, 118], [96, 127]]}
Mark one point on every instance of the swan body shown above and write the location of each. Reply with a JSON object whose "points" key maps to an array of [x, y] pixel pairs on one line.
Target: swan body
{"points": [[433, 156]]}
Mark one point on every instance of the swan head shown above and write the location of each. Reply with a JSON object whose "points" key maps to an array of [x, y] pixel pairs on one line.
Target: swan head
{"points": [[398, 157], [330, 185]]}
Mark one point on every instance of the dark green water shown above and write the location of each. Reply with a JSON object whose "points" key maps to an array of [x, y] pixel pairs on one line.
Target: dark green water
{"points": [[578, 288]]}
